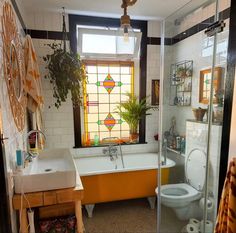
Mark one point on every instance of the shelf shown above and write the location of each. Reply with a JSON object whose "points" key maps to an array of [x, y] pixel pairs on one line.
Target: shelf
{"points": [[175, 151]]}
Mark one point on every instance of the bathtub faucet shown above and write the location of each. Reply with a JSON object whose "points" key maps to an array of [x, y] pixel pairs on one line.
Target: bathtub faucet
{"points": [[112, 150]]}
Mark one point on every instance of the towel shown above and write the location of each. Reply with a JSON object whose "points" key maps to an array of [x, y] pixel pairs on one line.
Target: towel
{"points": [[226, 220], [32, 83]]}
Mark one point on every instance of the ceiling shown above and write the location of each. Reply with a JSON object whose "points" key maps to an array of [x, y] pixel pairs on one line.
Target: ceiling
{"points": [[143, 9]]}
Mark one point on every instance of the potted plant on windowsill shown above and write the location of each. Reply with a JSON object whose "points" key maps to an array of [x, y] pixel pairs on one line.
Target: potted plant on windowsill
{"points": [[132, 111]]}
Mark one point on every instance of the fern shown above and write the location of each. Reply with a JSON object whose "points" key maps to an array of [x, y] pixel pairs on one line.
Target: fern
{"points": [[132, 111]]}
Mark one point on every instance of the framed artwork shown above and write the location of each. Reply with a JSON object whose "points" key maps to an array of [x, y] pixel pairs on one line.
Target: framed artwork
{"points": [[155, 92], [205, 84]]}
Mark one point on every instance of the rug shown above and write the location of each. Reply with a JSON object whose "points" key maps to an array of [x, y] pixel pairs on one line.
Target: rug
{"points": [[58, 225]]}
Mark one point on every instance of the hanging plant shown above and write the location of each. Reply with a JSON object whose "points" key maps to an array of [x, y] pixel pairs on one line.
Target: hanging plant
{"points": [[66, 72]]}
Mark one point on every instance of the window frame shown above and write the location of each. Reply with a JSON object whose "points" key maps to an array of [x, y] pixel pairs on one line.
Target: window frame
{"points": [[109, 32], [74, 21]]}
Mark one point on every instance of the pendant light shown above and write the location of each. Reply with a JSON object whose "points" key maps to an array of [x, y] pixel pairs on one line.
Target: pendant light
{"points": [[125, 29]]}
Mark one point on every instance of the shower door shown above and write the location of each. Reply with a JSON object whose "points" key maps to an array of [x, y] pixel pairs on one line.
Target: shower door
{"points": [[194, 52]]}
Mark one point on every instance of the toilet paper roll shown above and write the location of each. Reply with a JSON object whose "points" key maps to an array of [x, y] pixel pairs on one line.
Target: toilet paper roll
{"points": [[208, 228], [195, 222], [210, 204], [190, 228]]}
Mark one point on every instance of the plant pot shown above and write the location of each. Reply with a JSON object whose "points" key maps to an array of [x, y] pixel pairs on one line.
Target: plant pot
{"points": [[199, 113], [133, 137], [218, 114]]}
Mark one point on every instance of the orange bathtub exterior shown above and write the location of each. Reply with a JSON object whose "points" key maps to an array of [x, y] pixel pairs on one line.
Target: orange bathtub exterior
{"points": [[121, 185]]}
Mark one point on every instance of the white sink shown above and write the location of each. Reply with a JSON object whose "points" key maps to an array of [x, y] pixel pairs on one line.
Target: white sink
{"points": [[51, 169]]}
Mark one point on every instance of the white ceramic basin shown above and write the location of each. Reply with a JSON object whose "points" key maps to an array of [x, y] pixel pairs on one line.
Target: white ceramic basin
{"points": [[51, 169]]}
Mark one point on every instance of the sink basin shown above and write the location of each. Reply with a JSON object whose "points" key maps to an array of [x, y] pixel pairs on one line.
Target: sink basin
{"points": [[51, 169]]}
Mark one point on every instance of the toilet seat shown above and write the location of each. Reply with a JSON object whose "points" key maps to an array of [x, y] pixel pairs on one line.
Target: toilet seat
{"points": [[178, 194]]}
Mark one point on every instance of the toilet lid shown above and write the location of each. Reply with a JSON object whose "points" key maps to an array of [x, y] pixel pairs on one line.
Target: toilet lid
{"points": [[195, 168]]}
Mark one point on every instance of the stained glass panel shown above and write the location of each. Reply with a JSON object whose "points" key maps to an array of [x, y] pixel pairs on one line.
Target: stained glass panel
{"points": [[107, 83]]}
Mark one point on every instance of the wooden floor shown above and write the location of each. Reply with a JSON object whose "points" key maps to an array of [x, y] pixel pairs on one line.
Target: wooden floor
{"points": [[132, 216]]}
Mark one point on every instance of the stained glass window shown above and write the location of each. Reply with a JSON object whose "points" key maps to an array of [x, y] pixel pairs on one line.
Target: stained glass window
{"points": [[107, 84]]}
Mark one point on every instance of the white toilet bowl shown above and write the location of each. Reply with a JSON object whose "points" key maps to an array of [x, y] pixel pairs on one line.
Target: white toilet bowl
{"points": [[184, 197]]}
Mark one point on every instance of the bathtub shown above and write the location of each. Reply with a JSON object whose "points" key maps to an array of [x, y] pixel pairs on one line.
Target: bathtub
{"points": [[105, 180]]}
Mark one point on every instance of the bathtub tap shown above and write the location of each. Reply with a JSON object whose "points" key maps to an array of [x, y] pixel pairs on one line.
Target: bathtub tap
{"points": [[112, 149]]}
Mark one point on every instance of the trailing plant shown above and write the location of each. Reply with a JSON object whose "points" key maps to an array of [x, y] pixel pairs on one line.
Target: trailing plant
{"points": [[132, 111], [66, 73]]}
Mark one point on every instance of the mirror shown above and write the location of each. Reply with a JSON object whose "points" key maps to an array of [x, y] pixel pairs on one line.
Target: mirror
{"points": [[15, 75], [205, 84]]}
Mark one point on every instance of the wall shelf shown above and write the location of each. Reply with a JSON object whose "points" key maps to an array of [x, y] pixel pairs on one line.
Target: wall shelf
{"points": [[175, 151], [181, 83]]}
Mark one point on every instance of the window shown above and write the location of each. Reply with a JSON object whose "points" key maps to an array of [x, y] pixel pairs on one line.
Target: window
{"points": [[107, 83], [105, 43]]}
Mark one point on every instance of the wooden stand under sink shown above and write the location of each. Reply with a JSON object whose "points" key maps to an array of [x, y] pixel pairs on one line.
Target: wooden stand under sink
{"points": [[48, 198]]}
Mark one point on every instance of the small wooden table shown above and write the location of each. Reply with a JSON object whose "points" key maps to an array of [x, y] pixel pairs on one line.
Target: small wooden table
{"points": [[47, 198]]}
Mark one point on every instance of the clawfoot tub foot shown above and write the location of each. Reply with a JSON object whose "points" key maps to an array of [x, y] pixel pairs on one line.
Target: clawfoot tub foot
{"points": [[152, 202], [89, 209]]}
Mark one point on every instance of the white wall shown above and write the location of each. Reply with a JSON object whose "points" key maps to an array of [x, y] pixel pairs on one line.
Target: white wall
{"points": [[59, 122], [16, 140]]}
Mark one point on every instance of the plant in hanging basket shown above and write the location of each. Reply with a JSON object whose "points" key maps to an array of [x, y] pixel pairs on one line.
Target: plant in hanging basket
{"points": [[66, 73]]}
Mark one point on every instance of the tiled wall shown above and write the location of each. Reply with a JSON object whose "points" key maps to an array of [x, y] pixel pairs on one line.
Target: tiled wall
{"points": [[59, 122], [190, 49], [16, 140]]}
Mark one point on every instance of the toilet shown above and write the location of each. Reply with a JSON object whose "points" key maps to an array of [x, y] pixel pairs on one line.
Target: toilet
{"points": [[183, 198]]}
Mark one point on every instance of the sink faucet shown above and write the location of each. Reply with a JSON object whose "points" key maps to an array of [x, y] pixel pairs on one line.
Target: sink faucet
{"points": [[30, 152], [111, 150]]}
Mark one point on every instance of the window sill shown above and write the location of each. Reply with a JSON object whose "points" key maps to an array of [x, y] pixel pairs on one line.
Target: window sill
{"points": [[124, 144]]}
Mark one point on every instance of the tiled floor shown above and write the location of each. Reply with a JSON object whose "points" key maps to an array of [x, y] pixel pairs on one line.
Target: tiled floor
{"points": [[132, 216]]}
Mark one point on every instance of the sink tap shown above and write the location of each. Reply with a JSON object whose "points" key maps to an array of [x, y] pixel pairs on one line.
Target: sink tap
{"points": [[37, 141]]}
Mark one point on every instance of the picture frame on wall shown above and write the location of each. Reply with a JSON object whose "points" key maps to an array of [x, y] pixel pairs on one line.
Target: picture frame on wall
{"points": [[155, 94]]}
